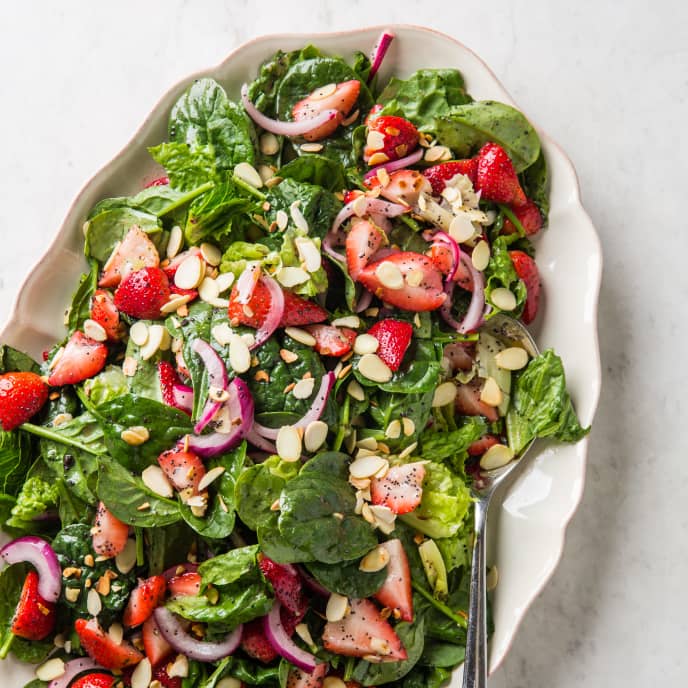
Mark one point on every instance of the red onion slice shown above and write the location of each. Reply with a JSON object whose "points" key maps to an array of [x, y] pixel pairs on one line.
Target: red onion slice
{"points": [[365, 301], [247, 283], [72, 669], [285, 128], [258, 441], [372, 205], [399, 164], [217, 377], [313, 413], [200, 650], [379, 51], [474, 316], [455, 251], [274, 317], [283, 644], [240, 406], [329, 249], [42, 557], [183, 397]]}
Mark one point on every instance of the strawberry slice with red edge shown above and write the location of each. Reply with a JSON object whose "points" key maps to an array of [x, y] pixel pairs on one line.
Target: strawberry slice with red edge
{"points": [[160, 674], [106, 314], [404, 186], [422, 288], [331, 340], [95, 680], [168, 378], [22, 395], [134, 252], [527, 270], [468, 402], [395, 593], [80, 359], [394, 337], [528, 215], [157, 649], [341, 98], [183, 469], [496, 177], [401, 490], [298, 678], [144, 598], [185, 584], [480, 446], [363, 632], [255, 644], [389, 138], [143, 293], [160, 181], [101, 648], [363, 240], [34, 618], [287, 585], [109, 533], [441, 175]]}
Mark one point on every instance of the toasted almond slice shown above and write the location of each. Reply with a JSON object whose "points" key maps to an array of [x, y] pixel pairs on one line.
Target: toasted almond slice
{"points": [[301, 336], [444, 394], [390, 275], [513, 358], [94, 604], [297, 216], [375, 140], [309, 253], [175, 242], [210, 477], [481, 255], [369, 443], [248, 173], [437, 153], [304, 388], [315, 435], [208, 289], [224, 281], [374, 368], [382, 513], [156, 333], [239, 354], [461, 228], [94, 330], [311, 147], [337, 607], [190, 273], [282, 219], [503, 298], [135, 435], [366, 344], [142, 675], [408, 451], [211, 254], [352, 321], [51, 670], [180, 667], [269, 144], [126, 559], [490, 393], [355, 391], [367, 466], [375, 560], [496, 456], [393, 430], [175, 303], [291, 277], [408, 426], [139, 333], [155, 480], [116, 633], [289, 443]]}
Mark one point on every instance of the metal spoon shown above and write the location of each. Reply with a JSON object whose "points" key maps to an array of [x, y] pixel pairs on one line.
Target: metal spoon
{"points": [[475, 665]]}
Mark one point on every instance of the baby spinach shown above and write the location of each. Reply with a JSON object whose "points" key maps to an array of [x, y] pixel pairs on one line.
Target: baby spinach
{"points": [[347, 579], [35, 499], [110, 226], [80, 309], [12, 360], [541, 405], [465, 128], [316, 169], [426, 677], [535, 181], [186, 167], [145, 381], [451, 446], [166, 546], [225, 569], [108, 384], [15, 459], [126, 496], [391, 406], [500, 272]]}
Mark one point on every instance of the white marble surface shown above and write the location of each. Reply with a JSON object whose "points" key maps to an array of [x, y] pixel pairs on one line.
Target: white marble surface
{"points": [[609, 84]]}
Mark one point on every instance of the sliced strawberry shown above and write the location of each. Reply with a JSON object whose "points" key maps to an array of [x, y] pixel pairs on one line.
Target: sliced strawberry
{"points": [[528, 215], [363, 632], [160, 181], [395, 593], [183, 469], [160, 674], [185, 585], [404, 186], [422, 289], [297, 311], [34, 618], [389, 138], [81, 358], [401, 489], [342, 99], [157, 649], [496, 177], [441, 175], [147, 595], [374, 112], [527, 270], [21, 396], [394, 337], [106, 314], [479, 447], [362, 242], [255, 644], [298, 678], [352, 195], [143, 293], [103, 649], [134, 252], [461, 355], [330, 340], [286, 583], [168, 378], [468, 401], [182, 368], [109, 533], [96, 680]]}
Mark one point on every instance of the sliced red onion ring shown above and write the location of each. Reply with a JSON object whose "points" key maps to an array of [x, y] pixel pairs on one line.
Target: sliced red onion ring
{"points": [[313, 413], [274, 317], [399, 164], [217, 377], [379, 51], [183, 397], [239, 406], [42, 557], [258, 441], [173, 571], [474, 316], [72, 669], [283, 644], [372, 205], [312, 583], [455, 251], [247, 283], [200, 650], [285, 128], [329, 249], [365, 301], [382, 222]]}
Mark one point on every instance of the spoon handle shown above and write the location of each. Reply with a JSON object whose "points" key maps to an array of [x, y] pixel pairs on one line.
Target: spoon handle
{"points": [[475, 664]]}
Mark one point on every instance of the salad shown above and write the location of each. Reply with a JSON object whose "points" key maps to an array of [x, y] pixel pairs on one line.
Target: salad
{"points": [[250, 459]]}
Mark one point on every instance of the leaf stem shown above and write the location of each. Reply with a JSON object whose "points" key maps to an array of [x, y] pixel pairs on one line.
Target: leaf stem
{"points": [[440, 606], [247, 187], [410, 223], [5, 649], [187, 198], [514, 220], [48, 434], [343, 425], [140, 554]]}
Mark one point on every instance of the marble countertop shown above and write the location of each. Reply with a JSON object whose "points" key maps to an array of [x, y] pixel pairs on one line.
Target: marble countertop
{"points": [[608, 84]]}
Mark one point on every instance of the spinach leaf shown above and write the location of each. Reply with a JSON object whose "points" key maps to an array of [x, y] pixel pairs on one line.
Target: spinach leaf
{"points": [[316, 169], [347, 579], [186, 167], [166, 546], [500, 272], [425, 96], [13, 360], [259, 486], [164, 423], [465, 128], [218, 521], [412, 636], [225, 569], [36, 498], [145, 382], [205, 117], [541, 405], [535, 180], [289, 255], [15, 459], [275, 546], [426, 677], [390, 406], [249, 672], [125, 496], [439, 654], [107, 228], [80, 309], [108, 384], [451, 446]]}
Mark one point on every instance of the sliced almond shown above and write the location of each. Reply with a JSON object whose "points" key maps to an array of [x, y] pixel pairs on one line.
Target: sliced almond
{"points": [[393, 430], [175, 303], [481, 255], [309, 253], [408, 426], [378, 159], [503, 298], [513, 358], [282, 219], [94, 604], [444, 394], [437, 153], [374, 368], [51, 670], [269, 144], [126, 559], [208, 289], [323, 91], [315, 435], [390, 275], [491, 394], [224, 281], [288, 443], [180, 667], [239, 354], [116, 633], [175, 242], [292, 277], [248, 173], [143, 674], [211, 254], [301, 336], [408, 451], [366, 344], [94, 330], [297, 216], [382, 176], [155, 480], [367, 466], [311, 147], [378, 645], [360, 205], [189, 273], [156, 333], [72, 594], [375, 560], [415, 278], [352, 321], [304, 388], [337, 607], [139, 333], [461, 228], [135, 435], [355, 391], [375, 140], [304, 633], [496, 456], [222, 334], [369, 443], [382, 513], [210, 477]]}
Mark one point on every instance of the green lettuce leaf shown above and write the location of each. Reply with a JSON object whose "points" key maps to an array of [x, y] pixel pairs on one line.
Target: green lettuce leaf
{"points": [[35, 498]]}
